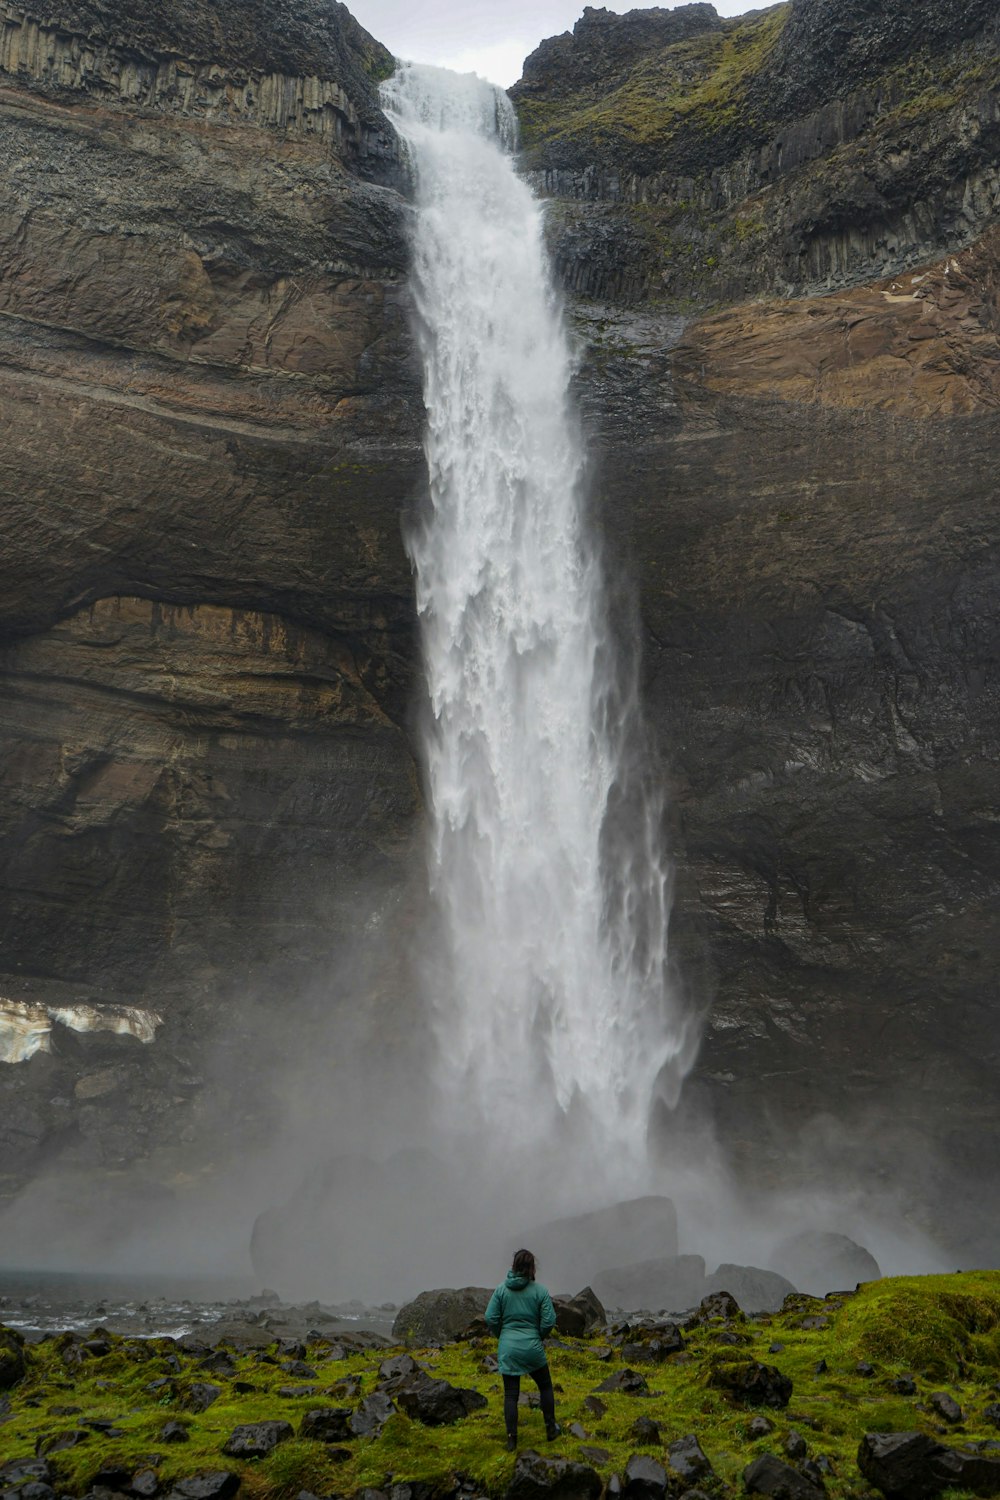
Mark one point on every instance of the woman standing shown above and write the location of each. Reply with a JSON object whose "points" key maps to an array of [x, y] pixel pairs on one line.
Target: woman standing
{"points": [[522, 1315]]}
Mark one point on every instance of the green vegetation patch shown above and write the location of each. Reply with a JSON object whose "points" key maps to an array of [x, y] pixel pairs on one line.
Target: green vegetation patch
{"points": [[842, 1355]]}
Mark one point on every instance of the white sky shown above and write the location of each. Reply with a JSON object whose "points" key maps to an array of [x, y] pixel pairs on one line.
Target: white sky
{"points": [[492, 39]]}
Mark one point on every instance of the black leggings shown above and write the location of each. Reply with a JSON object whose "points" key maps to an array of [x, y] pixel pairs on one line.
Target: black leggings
{"points": [[512, 1389]]}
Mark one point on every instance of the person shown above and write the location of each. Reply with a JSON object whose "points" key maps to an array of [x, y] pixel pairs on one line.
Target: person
{"points": [[521, 1314]]}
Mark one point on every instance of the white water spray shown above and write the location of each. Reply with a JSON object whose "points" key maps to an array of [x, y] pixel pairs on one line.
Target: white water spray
{"points": [[551, 1003]]}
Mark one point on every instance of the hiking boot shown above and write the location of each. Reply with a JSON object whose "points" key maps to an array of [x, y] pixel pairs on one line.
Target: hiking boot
{"points": [[511, 1444], [552, 1431]]}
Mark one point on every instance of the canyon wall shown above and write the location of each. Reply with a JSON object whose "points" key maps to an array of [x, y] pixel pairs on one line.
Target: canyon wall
{"points": [[778, 236]]}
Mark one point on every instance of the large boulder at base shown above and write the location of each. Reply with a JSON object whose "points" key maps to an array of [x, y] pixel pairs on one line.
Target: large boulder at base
{"points": [[257, 1439], [755, 1290], [755, 1384], [215, 1484], [819, 1261], [572, 1251], [673, 1282], [578, 1316], [12, 1365], [437, 1316], [645, 1479], [913, 1466], [767, 1475], [538, 1478], [688, 1461], [327, 1424], [435, 1402]]}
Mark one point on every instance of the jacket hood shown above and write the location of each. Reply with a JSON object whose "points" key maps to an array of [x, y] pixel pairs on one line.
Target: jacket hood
{"points": [[516, 1282]]}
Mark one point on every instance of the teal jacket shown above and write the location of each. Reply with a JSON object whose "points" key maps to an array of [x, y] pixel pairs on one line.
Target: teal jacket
{"points": [[521, 1312]]}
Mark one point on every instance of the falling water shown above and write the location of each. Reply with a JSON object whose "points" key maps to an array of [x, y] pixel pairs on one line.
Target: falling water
{"points": [[551, 1000]]}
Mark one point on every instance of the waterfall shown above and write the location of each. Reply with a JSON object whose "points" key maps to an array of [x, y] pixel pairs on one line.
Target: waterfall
{"points": [[553, 1014]]}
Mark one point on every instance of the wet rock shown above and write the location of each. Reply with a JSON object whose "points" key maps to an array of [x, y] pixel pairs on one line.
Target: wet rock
{"points": [[820, 1367], [645, 1431], [437, 1316], [299, 1368], [327, 1424], [864, 1368], [17, 1471], [903, 1385], [629, 1382], [435, 1402], [814, 1323], [687, 1461], [12, 1366], [372, 1415], [219, 1363], [594, 1406], [297, 1392], [596, 1456], [58, 1442], [645, 1479], [578, 1317], [538, 1478], [913, 1466], [174, 1432], [767, 1475], [396, 1367], [946, 1407], [573, 1251], [796, 1446], [991, 1413], [202, 1395], [256, 1439], [754, 1289], [213, 1484], [145, 1484], [754, 1383], [654, 1344], [819, 1261], [580, 1433], [668, 1281], [760, 1427], [720, 1306]]}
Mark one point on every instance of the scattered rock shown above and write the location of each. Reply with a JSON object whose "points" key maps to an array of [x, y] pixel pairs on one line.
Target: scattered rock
{"points": [[398, 1366], [721, 1306], [256, 1439], [145, 1485], [756, 1384], [327, 1424], [687, 1460], [296, 1392], [913, 1466], [435, 1402], [645, 1431], [946, 1406], [216, 1484], [991, 1413], [796, 1446], [903, 1385], [202, 1395], [437, 1316], [18, 1470], [594, 1405], [12, 1365], [760, 1427], [372, 1415], [820, 1367], [864, 1368], [299, 1368], [58, 1442], [818, 1261], [654, 1344], [813, 1323], [755, 1290], [629, 1382], [580, 1433], [767, 1475], [645, 1479], [538, 1478], [174, 1432], [219, 1363], [578, 1317], [597, 1456]]}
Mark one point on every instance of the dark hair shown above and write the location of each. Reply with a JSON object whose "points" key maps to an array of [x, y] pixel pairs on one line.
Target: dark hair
{"points": [[523, 1264]]}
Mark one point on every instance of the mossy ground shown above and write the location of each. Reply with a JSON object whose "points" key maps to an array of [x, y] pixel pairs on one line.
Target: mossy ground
{"points": [[944, 1331]]}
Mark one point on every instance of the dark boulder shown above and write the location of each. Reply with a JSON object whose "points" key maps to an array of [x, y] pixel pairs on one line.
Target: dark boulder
{"points": [[437, 1316], [400, 1365], [17, 1471], [991, 1413], [12, 1366], [174, 1432], [538, 1478], [629, 1382], [756, 1384], [687, 1460], [572, 1251], [256, 1439], [760, 1427], [372, 1415], [58, 1442], [327, 1424], [717, 1307], [202, 1395], [645, 1479], [579, 1316], [214, 1484], [818, 1261], [145, 1484], [435, 1402], [654, 1344], [754, 1289], [645, 1431], [947, 1407], [913, 1466], [668, 1281], [767, 1475]]}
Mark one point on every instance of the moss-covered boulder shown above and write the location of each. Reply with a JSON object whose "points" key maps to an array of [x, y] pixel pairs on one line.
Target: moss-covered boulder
{"points": [[12, 1364]]}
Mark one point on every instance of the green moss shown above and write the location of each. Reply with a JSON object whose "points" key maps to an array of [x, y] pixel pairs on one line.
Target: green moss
{"points": [[939, 1329]]}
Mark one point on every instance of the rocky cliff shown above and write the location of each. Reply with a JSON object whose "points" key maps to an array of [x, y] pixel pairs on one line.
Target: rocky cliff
{"points": [[212, 427]]}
